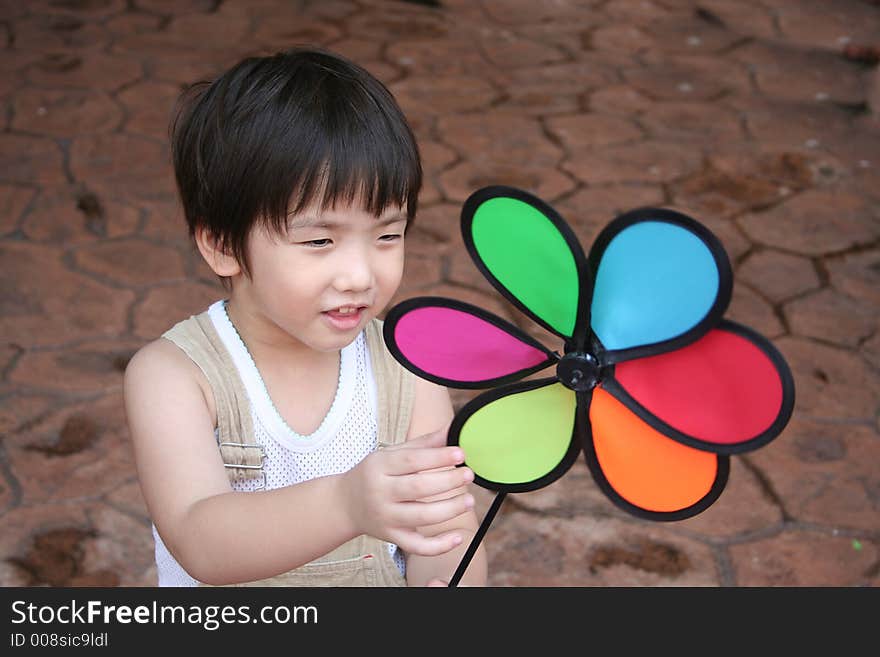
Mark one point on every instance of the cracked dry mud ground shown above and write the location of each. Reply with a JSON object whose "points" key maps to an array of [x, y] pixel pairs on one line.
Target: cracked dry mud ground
{"points": [[757, 117]]}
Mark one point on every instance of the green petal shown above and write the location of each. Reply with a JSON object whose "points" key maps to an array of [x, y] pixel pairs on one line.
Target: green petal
{"points": [[528, 249], [520, 437]]}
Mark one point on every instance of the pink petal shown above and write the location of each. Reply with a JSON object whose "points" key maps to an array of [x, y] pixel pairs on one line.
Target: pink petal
{"points": [[456, 345]]}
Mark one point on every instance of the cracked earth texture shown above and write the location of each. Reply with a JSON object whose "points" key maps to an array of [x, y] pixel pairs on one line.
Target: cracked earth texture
{"points": [[757, 117]]}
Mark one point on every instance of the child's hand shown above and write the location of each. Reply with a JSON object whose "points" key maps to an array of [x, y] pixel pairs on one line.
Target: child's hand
{"points": [[386, 493]]}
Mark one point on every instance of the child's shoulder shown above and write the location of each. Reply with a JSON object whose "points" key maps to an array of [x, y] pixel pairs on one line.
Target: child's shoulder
{"points": [[162, 358], [162, 364], [160, 353]]}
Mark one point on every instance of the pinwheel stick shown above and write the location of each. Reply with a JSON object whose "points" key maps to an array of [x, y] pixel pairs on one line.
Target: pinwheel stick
{"points": [[475, 542]]}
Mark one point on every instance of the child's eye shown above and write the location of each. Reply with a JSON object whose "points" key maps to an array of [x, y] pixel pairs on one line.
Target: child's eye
{"points": [[317, 243], [390, 238]]}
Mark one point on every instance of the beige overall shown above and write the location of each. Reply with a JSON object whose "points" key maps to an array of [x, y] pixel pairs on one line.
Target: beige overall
{"points": [[362, 561]]}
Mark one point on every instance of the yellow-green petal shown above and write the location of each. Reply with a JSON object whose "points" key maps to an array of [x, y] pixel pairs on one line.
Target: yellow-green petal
{"points": [[520, 437]]}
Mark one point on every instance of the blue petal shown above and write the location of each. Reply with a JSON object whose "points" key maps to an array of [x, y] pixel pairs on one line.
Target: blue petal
{"points": [[657, 280]]}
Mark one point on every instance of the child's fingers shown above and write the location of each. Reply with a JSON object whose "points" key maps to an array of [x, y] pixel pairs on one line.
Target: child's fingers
{"points": [[417, 459], [420, 514], [422, 485], [413, 542], [433, 439]]}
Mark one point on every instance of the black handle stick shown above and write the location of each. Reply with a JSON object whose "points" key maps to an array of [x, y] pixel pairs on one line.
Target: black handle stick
{"points": [[478, 537]]}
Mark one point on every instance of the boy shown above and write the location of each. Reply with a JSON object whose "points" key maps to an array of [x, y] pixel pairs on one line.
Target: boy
{"points": [[298, 176]]}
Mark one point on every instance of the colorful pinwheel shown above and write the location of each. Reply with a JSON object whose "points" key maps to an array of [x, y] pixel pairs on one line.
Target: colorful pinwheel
{"points": [[654, 386]]}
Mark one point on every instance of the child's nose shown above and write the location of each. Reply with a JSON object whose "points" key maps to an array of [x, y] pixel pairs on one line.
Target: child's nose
{"points": [[355, 272]]}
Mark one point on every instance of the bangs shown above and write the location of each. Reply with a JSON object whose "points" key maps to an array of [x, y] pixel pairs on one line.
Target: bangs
{"points": [[345, 152]]}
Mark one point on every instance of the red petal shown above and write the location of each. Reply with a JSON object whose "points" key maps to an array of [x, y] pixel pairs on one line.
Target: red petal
{"points": [[722, 389]]}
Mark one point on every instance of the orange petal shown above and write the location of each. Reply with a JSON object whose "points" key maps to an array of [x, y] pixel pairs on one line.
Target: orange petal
{"points": [[645, 468]]}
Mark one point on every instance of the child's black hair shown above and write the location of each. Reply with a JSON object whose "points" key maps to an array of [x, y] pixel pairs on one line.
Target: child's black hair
{"points": [[277, 134]]}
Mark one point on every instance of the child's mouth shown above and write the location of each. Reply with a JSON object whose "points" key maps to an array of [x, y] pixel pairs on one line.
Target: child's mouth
{"points": [[344, 320]]}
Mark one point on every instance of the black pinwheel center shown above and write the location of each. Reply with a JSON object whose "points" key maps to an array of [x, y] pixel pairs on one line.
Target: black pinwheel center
{"points": [[578, 370]]}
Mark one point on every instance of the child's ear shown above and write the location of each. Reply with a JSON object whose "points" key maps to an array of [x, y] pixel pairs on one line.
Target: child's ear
{"points": [[221, 262]]}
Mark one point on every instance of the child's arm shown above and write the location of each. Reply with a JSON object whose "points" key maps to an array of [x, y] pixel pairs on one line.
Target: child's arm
{"points": [[222, 537], [432, 408]]}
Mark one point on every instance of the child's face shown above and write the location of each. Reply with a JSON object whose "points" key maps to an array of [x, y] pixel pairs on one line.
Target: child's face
{"points": [[297, 277]]}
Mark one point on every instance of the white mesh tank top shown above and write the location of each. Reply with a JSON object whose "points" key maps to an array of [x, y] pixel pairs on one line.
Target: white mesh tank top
{"points": [[346, 435]]}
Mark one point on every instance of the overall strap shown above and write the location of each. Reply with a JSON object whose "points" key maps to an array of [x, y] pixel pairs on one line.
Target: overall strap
{"points": [[242, 455], [395, 394], [395, 388]]}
